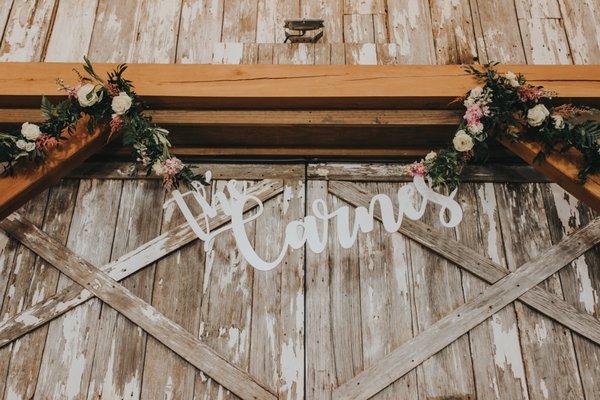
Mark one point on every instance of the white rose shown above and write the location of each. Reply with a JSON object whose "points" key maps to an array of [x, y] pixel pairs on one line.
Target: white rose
{"points": [[30, 131], [559, 122], [158, 168], [88, 95], [512, 79], [121, 103], [29, 146], [537, 115], [476, 92], [462, 141], [430, 156], [476, 128], [469, 101], [21, 144]]}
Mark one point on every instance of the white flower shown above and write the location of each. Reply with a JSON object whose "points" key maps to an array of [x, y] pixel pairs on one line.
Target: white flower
{"points": [[121, 103], [158, 168], [512, 79], [430, 156], [476, 128], [462, 141], [469, 101], [559, 122], [30, 131], [476, 92], [21, 144], [88, 95], [30, 146], [537, 115]]}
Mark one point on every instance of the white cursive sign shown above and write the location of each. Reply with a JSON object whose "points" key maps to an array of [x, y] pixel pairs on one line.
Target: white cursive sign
{"points": [[306, 231]]}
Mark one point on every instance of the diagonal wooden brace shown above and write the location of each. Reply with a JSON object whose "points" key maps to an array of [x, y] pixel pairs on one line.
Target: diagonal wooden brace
{"points": [[547, 303], [466, 317], [128, 264], [172, 335]]}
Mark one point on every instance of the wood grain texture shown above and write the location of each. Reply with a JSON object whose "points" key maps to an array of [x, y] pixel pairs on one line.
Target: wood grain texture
{"points": [[328, 86], [579, 280], [480, 266], [547, 347], [452, 326], [135, 309], [41, 281], [70, 297]]}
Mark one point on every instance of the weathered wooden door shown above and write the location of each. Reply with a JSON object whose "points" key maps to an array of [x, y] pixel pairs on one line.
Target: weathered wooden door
{"points": [[319, 325]]}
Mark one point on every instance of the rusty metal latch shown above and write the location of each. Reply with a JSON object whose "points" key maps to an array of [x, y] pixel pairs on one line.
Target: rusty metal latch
{"points": [[299, 27]]}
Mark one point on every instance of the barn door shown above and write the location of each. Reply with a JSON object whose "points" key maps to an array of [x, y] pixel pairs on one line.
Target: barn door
{"points": [[398, 316]]}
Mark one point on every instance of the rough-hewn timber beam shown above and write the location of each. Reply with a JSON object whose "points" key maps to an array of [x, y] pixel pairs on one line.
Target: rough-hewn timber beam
{"points": [[294, 86]]}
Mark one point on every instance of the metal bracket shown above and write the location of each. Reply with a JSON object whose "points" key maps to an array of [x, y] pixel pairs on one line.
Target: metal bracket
{"points": [[301, 26]]}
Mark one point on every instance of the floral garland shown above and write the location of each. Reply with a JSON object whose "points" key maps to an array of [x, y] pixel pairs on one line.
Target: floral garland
{"points": [[110, 104], [505, 104]]}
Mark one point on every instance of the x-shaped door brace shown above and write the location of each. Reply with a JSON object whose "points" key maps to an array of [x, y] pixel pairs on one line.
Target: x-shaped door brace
{"points": [[102, 282]]}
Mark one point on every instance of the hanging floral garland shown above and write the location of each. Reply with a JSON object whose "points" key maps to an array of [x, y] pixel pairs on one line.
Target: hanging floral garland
{"points": [[505, 104], [109, 104]]}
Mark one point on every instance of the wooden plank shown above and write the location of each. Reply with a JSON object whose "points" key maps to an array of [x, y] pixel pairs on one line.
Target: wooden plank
{"points": [[26, 29], [71, 30], [480, 266], [496, 23], [387, 297], [27, 351], [580, 280], [135, 309], [225, 171], [453, 33], [498, 367], [156, 35], [19, 271], [321, 370], [391, 172], [120, 348], [359, 28], [560, 168], [327, 86], [543, 32], [452, 326], [226, 309], [581, 20], [115, 31], [271, 17], [239, 21], [30, 180], [547, 347], [437, 291], [128, 264], [68, 356], [331, 12], [177, 280], [409, 23], [200, 28]]}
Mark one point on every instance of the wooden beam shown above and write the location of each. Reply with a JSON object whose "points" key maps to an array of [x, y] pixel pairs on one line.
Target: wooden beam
{"points": [[294, 86], [561, 168], [545, 302], [29, 180], [128, 264], [466, 317], [172, 335]]}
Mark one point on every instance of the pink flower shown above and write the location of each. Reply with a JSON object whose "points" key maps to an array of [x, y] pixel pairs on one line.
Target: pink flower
{"points": [[475, 112], [530, 93], [46, 142], [116, 123], [416, 169], [172, 166], [72, 91]]}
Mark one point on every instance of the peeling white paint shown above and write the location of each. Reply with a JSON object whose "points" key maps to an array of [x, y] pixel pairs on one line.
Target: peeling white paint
{"points": [[544, 388], [507, 351], [488, 208], [288, 194]]}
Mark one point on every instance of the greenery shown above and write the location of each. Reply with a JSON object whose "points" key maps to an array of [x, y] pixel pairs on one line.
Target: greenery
{"points": [[110, 104], [505, 104]]}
